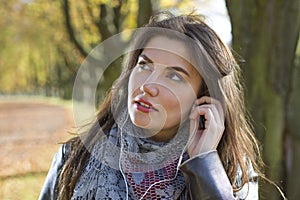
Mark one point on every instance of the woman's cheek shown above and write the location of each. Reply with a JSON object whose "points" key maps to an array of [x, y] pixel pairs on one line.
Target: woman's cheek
{"points": [[186, 102]]}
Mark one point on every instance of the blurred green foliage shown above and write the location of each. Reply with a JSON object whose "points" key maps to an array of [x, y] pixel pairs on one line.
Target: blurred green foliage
{"points": [[35, 57], [44, 42]]}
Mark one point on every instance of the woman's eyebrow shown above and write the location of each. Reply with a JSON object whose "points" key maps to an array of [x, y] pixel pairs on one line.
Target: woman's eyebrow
{"points": [[146, 58], [179, 69]]}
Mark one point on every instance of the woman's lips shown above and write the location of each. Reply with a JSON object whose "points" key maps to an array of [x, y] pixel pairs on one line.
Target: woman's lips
{"points": [[144, 106]]}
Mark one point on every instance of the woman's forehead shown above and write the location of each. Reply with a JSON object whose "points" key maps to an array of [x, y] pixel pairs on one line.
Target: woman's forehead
{"points": [[172, 46]]}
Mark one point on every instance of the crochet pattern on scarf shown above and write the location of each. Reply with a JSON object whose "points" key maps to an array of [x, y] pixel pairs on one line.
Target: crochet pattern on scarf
{"points": [[122, 166]]}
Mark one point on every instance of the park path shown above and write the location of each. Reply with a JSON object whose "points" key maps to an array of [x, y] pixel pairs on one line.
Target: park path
{"points": [[30, 133]]}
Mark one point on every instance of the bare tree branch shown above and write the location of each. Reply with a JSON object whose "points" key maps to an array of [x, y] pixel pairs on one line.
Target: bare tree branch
{"points": [[70, 30], [117, 15], [103, 25]]}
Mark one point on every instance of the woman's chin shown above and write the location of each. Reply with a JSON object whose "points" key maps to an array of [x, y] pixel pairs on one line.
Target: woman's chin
{"points": [[149, 129]]}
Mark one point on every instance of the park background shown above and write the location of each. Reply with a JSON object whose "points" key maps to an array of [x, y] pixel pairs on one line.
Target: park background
{"points": [[44, 42]]}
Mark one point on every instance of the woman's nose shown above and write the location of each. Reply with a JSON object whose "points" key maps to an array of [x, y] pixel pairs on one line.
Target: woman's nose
{"points": [[150, 88]]}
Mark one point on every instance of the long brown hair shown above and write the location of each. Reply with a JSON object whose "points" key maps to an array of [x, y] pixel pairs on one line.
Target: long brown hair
{"points": [[238, 141]]}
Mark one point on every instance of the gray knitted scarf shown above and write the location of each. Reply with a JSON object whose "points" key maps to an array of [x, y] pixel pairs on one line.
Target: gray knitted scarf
{"points": [[123, 166]]}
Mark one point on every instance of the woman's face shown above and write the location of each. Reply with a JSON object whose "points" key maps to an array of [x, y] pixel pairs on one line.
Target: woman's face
{"points": [[162, 88]]}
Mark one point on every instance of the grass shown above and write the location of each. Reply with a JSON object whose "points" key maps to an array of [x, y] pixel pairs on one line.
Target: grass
{"points": [[26, 158], [25, 187]]}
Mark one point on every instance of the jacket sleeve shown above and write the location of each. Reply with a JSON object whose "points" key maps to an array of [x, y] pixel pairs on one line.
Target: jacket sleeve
{"points": [[48, 190], [206, 179]]}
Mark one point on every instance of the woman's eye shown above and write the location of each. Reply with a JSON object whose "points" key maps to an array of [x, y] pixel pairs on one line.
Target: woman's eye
{"points": [[144, 66], [175, 76]]}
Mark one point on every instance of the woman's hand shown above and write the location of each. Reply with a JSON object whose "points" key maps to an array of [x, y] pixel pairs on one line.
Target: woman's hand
{"points": [[208, 139]]}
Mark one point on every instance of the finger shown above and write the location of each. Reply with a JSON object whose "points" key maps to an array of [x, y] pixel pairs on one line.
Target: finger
{"points": [[219, 118], [207, 110], [203, 100], [208, 115], [209, 100], [197, 111]]}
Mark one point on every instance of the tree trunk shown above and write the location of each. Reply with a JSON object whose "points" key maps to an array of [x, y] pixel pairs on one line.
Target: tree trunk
{"points": [[293, 136], [145, 12], [265, 34]]}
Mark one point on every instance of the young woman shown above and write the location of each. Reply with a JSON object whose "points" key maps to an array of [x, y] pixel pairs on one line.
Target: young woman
{"points": [[172, 127]]}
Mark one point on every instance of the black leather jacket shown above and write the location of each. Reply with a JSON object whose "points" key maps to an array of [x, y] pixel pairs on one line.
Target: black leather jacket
{"points": [[204, 174]]}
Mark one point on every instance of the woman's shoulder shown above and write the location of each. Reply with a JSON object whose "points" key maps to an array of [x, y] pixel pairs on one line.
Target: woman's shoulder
{"points": [[250, 189], [250, 171], [59, 159], [66, 148]]}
